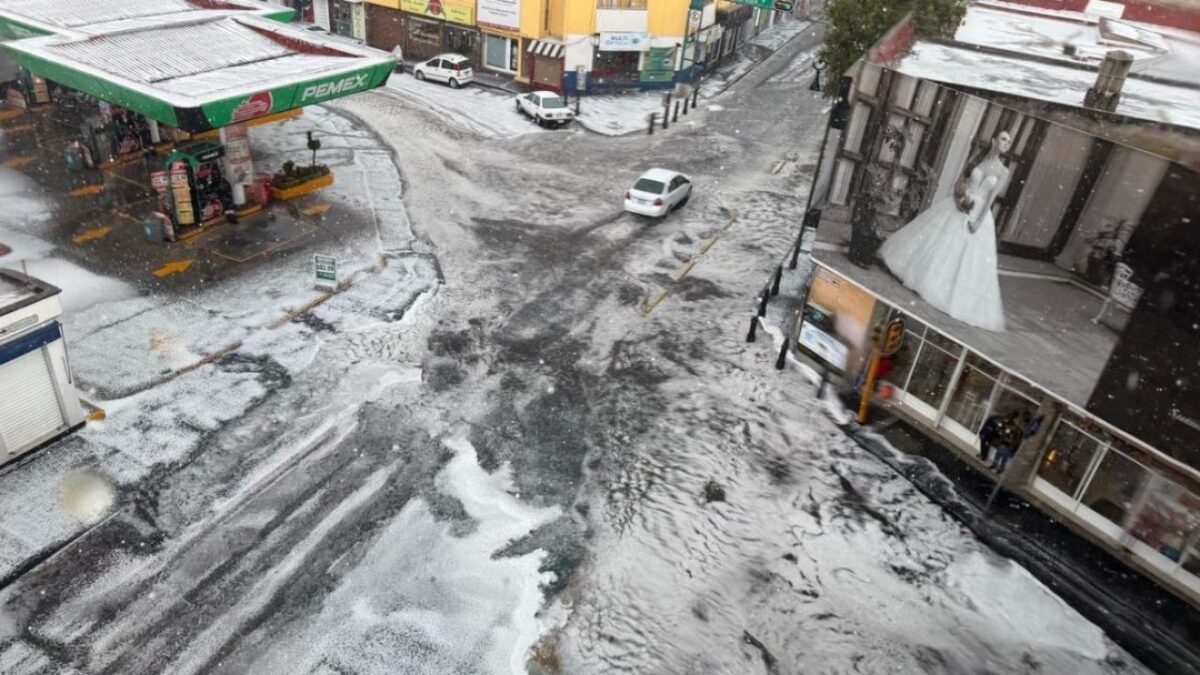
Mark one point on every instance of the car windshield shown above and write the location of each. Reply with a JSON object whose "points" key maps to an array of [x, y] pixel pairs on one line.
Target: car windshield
{"points": [[647, 185], [553, 102]]}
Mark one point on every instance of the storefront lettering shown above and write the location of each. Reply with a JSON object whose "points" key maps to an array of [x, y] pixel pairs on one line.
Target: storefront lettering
{"points": [[624, 42], [504, 14], [325, 89], [454, 11]]}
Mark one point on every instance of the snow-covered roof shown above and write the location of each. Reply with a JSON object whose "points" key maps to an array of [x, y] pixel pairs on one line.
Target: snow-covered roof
{"points": [[18, 290], [97, 16], [206, 70], [1064, 84], [1157, 51]]}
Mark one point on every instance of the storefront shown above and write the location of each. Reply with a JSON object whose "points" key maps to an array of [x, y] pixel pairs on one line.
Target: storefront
{"points": [[1113, 486], [430, 29], [500, 23], [617, 60], [501, 52], [544, 64]]}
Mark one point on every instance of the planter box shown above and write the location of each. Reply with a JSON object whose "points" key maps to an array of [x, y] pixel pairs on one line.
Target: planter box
{"points": [[303, 188]]}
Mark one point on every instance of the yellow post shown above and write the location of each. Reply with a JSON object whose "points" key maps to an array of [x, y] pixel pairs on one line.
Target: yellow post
{"points": [[868, 386]]}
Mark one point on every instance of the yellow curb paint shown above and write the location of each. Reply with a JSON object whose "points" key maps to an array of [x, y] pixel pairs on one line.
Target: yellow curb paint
{"points": [[709, 244], [15, 162], [18, 128], [173, 268], [11, 114], [87, 190], [316, 209], [650, 306], [686, 271], [89, 235], [96, 415]]}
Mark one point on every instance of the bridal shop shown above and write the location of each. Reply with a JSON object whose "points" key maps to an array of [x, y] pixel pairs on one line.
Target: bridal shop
{"points": [[1039, 257]]}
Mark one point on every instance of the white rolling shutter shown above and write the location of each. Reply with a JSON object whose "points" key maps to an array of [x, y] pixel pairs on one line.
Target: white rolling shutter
{"points": [[321, 13], [29, 409]]}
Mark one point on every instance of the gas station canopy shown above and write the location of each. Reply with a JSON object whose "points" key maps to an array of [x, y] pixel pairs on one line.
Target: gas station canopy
{"points": [[201, 65]]}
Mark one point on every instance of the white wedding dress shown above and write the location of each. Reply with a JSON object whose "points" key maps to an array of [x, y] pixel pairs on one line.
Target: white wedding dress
{"points": [[952, 268]]}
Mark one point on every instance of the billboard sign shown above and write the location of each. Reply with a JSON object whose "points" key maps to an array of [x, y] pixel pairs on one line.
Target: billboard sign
{"points": [[504, 14], [827, 347], [454, 11]]}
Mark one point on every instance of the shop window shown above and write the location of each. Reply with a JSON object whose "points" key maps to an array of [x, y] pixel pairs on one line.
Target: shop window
{"points": [[1067, 458], [500, 53], [1114, 487], [857, 128], [1168, 519], [932, 373], [969, 405]]}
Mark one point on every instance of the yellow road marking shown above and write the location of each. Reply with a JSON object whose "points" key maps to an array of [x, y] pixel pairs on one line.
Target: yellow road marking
{"points": [[173, 268], [650, 305], [14, 162], [89, 235], [316, 209], [87, 190], [11, 113]]}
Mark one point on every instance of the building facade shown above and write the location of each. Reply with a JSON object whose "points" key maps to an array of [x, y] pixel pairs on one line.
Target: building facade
{"points": [[1038, 259], [572, 45]]}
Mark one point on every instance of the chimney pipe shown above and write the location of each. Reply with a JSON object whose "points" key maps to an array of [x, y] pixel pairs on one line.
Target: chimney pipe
{"points": [[1106, 93]]}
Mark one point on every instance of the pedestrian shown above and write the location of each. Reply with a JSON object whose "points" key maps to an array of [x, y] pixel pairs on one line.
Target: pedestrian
{"points": [[987, 435], [1009, 438]]}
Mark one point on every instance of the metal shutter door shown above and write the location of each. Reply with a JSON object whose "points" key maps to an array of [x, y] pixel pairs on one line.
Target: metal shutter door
{"points": [[321, 13], [29, 409]]}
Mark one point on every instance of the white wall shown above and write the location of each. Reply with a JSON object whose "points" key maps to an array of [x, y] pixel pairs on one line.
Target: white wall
{"points": [[622, 21]]}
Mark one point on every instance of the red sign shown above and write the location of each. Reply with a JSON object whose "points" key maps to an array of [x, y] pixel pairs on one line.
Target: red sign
{"points": [[256, 105]]}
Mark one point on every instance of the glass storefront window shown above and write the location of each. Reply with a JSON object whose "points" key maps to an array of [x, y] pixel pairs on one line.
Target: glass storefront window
{"points": [[1168, 518], [1067, 458], [902, 360], [972, 393], [932, 373], [1115, 486]]}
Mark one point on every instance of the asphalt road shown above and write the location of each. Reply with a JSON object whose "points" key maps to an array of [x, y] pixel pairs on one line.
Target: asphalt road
{"points": [[597, 354]]}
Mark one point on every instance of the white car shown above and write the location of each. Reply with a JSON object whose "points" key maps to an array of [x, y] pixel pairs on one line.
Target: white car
{"points": [[658, 192], [453, 69], [545, 108]]}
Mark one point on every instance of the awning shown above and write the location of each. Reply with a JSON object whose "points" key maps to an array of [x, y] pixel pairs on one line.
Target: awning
{"points": [[205, 72], [549, 48]]}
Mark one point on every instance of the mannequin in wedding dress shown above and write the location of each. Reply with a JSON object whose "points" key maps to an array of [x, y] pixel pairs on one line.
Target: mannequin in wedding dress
{"points": [[947, 254]]}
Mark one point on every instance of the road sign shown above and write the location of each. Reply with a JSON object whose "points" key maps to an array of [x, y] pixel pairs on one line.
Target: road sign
{"points": [[893, 337], [325, 270]]}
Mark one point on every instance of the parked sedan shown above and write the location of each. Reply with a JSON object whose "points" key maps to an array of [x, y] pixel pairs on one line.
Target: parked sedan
{"points": [[545, 108], [453, 69], [658, 192]]}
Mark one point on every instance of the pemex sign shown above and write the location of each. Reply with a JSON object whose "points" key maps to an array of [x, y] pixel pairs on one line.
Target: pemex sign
{"points": [[246, 107]]}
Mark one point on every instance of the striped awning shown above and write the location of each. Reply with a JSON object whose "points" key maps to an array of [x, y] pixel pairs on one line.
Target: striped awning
{"points": [[550, 48]]}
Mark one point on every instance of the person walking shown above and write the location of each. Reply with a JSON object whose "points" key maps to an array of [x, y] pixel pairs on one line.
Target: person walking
{"points": [[1007, 440]]}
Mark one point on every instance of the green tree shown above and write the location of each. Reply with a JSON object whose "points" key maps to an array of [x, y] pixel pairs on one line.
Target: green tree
{"points": [[855, 25]]}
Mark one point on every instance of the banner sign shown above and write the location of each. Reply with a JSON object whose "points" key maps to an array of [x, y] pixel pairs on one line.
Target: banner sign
{"points": [[454, 11], [500, 13], [624, 42], [229, 111], [778, 5], [239, 168]]}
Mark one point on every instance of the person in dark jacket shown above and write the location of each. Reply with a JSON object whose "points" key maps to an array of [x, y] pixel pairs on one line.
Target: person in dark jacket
{"points": [[1008, 439], [987, 435]]}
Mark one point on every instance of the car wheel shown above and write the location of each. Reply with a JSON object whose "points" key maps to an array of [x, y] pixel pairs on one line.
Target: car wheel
{"points": [[685, 199], [454, 84], [420, 75], [519, 108]]}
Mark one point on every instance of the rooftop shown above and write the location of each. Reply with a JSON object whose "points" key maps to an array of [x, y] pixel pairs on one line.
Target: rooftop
{"points": [[1053, 55], [19, 290], [207, 69], [90, 17]]}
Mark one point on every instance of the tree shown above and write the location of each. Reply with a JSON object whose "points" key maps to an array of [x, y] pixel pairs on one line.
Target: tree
{"points": [[855, 25]]}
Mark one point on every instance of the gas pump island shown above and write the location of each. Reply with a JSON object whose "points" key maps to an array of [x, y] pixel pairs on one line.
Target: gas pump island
{"points": [[192, 75]]}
